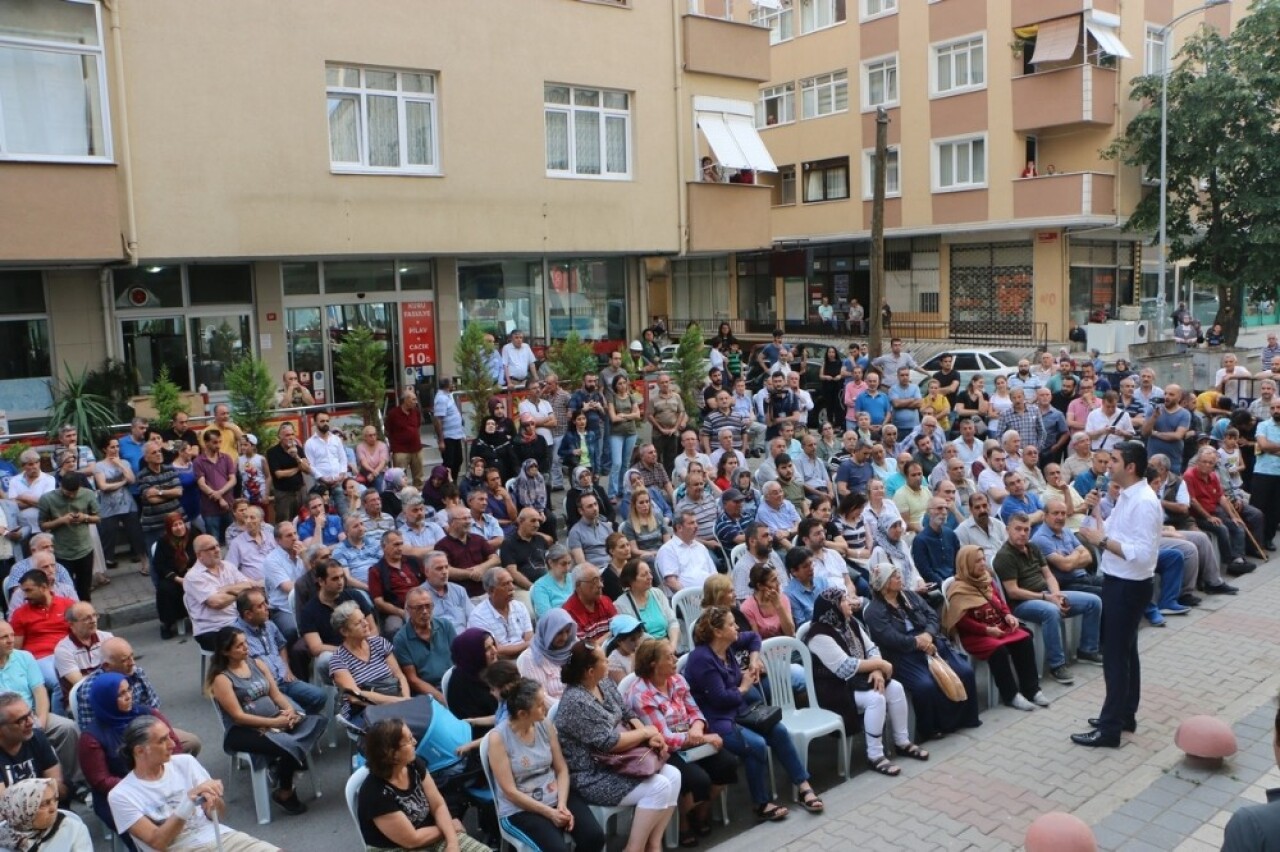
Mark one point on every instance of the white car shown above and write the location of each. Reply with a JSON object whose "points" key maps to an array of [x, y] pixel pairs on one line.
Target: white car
{"points": [[971, 362]]}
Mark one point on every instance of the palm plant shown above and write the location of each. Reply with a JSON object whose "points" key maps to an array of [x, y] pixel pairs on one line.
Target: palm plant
{"points": [[75, 405]]}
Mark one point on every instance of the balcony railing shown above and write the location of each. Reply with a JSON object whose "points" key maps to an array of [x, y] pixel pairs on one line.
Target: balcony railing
{"points": [[1062, 195], [1080, 94]]}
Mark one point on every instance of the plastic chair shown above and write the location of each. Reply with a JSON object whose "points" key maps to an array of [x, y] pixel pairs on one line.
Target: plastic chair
{"points": [[626, 684], [803, 630], [688, 606], [808, 723], [352, 792], [444, 682], [72, 700], [508, 833], [258, 774]]}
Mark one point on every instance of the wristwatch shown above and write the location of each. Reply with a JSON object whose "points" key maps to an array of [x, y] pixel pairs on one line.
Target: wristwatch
{"points": [[1103, 544]]}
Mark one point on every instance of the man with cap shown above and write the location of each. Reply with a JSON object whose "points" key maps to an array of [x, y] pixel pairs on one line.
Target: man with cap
{"points": [[66, 513], [731, 526]]}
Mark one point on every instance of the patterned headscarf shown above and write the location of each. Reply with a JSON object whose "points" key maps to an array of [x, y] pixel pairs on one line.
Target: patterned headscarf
{"points": [[549, 626], [896, 551], [18, 807], [531, 489], [972, 586], [826, 612]]}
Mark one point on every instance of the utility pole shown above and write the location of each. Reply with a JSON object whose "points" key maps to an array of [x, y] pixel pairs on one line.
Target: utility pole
{"points": [[876, 343]]}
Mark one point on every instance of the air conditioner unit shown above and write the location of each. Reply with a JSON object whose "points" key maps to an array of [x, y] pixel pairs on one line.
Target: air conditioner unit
{"points": [[1142, 331], [1101, 336], [1129, 332]]}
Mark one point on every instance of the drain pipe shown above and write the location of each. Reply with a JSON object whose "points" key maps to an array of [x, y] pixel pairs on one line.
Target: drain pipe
{"points": [[124, 163], [677, 67]]}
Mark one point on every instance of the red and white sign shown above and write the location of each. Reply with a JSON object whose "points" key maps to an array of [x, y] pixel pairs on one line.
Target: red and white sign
{"points": [[418, 331]]}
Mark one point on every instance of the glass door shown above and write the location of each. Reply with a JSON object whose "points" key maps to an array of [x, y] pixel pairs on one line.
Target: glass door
{"points": [[152, 343], [304, 333]]}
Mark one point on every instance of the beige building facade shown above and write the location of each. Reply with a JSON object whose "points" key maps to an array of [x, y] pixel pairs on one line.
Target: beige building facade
{"points": [[1002, 216], [185, 183]]}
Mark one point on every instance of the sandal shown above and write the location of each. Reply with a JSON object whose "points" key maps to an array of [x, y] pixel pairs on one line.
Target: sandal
{"points": [[913, 751], [100, 580], [770, 812], [810, 802], [688, 839], [884, 767], [699, 827]]}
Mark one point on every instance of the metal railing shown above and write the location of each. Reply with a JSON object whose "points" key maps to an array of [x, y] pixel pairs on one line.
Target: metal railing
{"points": [[981, 332]]}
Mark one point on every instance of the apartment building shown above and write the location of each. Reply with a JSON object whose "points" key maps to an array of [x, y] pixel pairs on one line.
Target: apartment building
{"points": [[182, 183], [1001, 214]]}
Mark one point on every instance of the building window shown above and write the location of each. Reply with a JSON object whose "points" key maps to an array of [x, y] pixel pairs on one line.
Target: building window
{"points": [[826, 180], [700, 289], [777, 105], [825, 94], [586, 295], [502, 295], [382, 121], [1155, 50], [878, 8], [819, 14], [784, 191], [53, 95], [880, 82], [588, 132], [24, 347], [959, 66], [892, 178], [779, 21], [757, 298], [961, 164]]}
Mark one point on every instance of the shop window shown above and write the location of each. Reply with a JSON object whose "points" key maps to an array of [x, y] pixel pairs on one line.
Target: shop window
{"points": [[25, 370], [220, 284], [216, 343], [700, 288], [415, 276], [502, 295], [359, 276], [301, 279], [588, 296], [991, 288]]}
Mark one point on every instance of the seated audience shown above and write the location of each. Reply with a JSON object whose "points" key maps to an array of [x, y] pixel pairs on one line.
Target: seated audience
{"points": [[209, 590], [25, 751], [501, 615], [315, 622], [590, 609], [39, 625], [80, 653], [908, 632], [767, 609], [592, 720], [363, 667], [422, 645], [553, 588], [684, 561], [268, 645], [30, 820], [548, 652], [625, 635], [647, 529], [641, 600], [20, 675]]}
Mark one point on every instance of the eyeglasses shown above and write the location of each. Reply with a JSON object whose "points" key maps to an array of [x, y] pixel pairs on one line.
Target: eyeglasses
{"points": [[420, 608], [29, 716], [211, 547]]}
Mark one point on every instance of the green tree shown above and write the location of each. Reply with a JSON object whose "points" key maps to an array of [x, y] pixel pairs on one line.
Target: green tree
{"points": [[361, 368], [690, 369], [471, 358], [166, 398], [1223, 158], [571, 359], [252, 392], [75, 403]]}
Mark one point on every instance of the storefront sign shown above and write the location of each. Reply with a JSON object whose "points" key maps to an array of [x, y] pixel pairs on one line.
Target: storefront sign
{"points": [[418, 322]]}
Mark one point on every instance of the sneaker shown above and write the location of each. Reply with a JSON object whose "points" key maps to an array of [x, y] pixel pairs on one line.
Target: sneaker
{"points": [[1041, 699], [1020, 703], [1174, 609], [1089, 657], [1062, 674], [1221, 589], [1157, 620]]}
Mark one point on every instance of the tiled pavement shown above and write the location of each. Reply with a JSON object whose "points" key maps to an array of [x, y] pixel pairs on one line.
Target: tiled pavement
{"points": [[982, 788]]}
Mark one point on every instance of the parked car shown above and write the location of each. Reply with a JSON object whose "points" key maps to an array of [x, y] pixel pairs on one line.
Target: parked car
{"points": [[969, 362]]}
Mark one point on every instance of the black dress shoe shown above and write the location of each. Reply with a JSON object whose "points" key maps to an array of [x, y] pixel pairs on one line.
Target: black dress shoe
{"points": [[1240, 568], [1189, 600], [1221, 589], [1095, 739], [1128, 727]]}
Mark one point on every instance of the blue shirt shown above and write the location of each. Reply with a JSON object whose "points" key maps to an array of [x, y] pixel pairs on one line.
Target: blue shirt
{"points": [[131, 451], [877, 405], [429, 660], [1055, 426], [935, 553], [21, 675], [1087, 480], [906, 419], [358, 560], [783, 519], [1168, 422], [329, 534], [1028, 505], [1267, 463], [802, 599], [280, 567], [264, 644], [854, 475], [448, 416]]}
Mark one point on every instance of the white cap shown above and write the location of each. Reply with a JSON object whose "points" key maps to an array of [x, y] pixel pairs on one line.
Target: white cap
{"points": [[636, 346]]}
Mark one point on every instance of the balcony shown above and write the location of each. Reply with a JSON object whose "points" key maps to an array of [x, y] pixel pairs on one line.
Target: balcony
{"points": [[59, 213], [726, 48], [1072, 194], [1080, 94], [728, 217], [1027, 12]]}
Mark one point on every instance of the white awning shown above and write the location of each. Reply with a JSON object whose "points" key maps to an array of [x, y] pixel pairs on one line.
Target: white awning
{"points": [[1105, 28], [729, 128], [1056, 40], [767, 4]]}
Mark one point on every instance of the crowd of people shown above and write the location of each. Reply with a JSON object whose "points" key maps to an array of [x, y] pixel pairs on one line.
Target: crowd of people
{"points": [[599, 597]]}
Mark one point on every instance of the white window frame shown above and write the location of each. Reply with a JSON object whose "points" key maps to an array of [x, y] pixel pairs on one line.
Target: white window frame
{"points": [[403, 98], [834, 81], [781, 185], [892, 177], [570, 110], [952, 48], [951, 147], [785, 94], [888, 67], [869, 10], [97, 55], [1152, 42], [824, 15], [780, 21]]}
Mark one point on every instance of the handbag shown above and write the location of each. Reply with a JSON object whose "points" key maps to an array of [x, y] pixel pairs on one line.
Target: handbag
{"points": [[640, 761], [946, 678], [760, 717]]}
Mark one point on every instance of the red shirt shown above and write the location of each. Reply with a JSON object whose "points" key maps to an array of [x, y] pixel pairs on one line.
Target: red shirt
{"points": [[41, 629], [1208, 493], [408, 576], [591, 625], [404, 433]]}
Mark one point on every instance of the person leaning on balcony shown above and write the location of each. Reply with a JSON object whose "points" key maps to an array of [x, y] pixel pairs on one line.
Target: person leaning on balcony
{"points": [[710, 171], [1030, 170]]}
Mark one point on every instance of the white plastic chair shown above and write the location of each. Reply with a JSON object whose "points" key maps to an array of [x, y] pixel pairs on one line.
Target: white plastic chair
{"points": [[626, 685], [72, 700], [352, 792], [803, 630], [444, 683], [508, 833], [258, 775], [688, 606], [808, 723], [603, 814]]}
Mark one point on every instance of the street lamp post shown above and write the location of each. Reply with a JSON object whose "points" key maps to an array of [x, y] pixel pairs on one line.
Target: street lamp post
{"points": [[1163, 237]]}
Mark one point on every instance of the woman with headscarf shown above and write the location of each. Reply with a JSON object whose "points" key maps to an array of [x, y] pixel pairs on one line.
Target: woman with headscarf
{"points": [[101, 761], [850, 676], [473, 651], [552, 643], [174, 554], [584, 482], [890, 549], [908, 633], [32, 821], [498, 411], [980, 618], [531, 492], [433, 488], [493, 445]]}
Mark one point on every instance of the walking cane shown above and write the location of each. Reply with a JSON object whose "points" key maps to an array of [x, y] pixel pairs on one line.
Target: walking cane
{"points": [[1235, 516]]}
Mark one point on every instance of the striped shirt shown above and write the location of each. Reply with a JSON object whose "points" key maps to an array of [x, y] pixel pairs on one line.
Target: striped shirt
{"points": [[362, 672], [715, 421], [166, 479]]}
